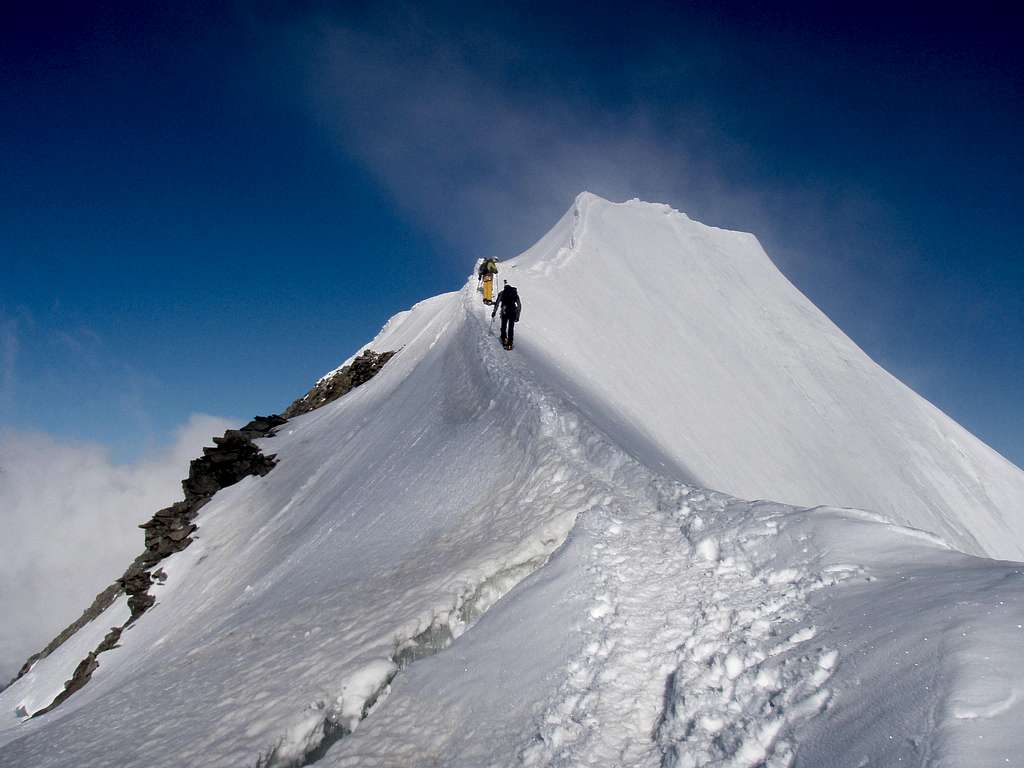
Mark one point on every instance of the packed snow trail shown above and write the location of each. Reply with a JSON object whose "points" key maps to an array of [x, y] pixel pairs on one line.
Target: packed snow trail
{"points": [[645, 561], [677, 627], [688, 682], [390, 511]]}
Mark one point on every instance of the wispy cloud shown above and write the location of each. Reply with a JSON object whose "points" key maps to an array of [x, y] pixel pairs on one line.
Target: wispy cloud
{"points": [[477, 146], [69, 515], [441, 131], [82, 342], [485, 151]]}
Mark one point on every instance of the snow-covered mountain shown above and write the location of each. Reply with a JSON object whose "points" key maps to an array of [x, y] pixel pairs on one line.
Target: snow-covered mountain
{"points": [[542, 557], [689, 337]]}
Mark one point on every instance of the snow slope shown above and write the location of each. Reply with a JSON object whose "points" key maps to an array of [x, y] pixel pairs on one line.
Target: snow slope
{"points": [[492, 558], [689, 335]]}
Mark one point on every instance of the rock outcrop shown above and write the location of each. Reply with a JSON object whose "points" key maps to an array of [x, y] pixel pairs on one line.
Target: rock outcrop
{"points": [[232, 457], [83, 672], [102, 601], [332, 386]]}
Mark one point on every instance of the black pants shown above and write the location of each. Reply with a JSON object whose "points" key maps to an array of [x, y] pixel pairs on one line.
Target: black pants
{"points": [[508, 329]]}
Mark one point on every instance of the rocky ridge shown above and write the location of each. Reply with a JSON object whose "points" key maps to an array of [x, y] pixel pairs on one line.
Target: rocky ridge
{"points": [[342, 381], [232, 458]]}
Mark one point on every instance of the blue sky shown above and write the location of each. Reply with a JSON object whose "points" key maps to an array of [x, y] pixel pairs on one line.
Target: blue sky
{"points": [[203, 207]]}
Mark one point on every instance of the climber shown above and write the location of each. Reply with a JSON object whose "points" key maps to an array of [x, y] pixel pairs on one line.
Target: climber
{"points": [[510, 305], [488, 269]]}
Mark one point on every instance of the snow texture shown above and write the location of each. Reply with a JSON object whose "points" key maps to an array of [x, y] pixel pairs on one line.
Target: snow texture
{"points": [[485, 557]]}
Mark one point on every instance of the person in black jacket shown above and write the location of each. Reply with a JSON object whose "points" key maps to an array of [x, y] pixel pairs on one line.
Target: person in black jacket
{"points": [[510, 305]]}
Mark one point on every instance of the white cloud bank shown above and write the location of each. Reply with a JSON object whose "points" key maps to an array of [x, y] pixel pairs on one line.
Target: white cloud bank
{"points": [[69, 517]]}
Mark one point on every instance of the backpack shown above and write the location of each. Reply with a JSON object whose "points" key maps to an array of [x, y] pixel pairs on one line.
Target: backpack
{"points": [[490, 266], [510, 304]]}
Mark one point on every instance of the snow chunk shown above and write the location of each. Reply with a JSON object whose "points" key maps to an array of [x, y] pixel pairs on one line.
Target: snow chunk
{"points": [[709, 549], [362, 689]]}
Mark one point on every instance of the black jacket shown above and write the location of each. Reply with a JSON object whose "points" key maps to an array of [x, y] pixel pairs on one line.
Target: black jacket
{"points": [[509, 302]]}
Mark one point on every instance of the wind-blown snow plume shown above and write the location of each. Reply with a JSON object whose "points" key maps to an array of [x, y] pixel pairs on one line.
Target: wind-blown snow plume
{"points": [[431, 122]]}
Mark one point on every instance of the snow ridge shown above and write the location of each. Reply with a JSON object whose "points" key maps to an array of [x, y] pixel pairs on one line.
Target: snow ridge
{"points": [[690, 335], [651, 547], [551, 431], [485, 557]]}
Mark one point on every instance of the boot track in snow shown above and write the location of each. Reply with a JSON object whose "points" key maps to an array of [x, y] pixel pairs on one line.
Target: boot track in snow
{"points": [[691, 684]]}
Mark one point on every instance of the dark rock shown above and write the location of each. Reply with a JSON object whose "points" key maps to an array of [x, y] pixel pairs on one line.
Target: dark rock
{"points": [[231, 458], [180, 533], [110, 641], [149, 557], [102, 601], [83, 672], [341, 382]]}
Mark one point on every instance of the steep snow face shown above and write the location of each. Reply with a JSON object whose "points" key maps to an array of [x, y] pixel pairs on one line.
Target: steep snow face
{"points": [[394, 518], [689, 338]]}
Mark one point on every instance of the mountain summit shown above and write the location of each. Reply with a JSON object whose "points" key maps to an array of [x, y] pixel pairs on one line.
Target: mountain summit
{"points": [[732, 379], [544, 557]]}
